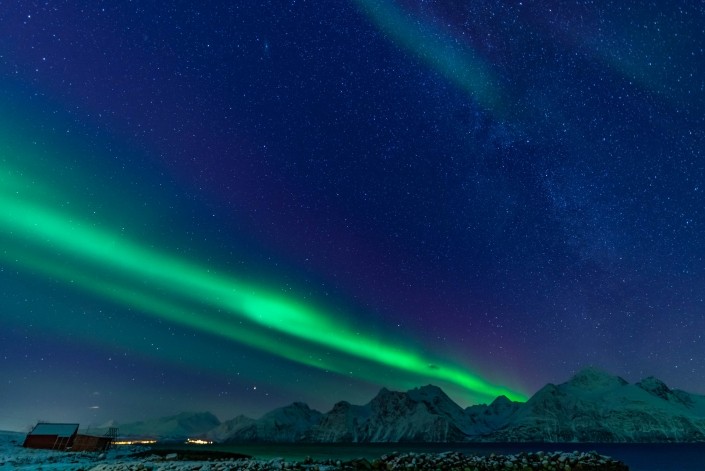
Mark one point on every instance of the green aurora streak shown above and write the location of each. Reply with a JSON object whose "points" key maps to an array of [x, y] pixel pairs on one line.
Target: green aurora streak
{"points": [[458, 64], [39, 237]]}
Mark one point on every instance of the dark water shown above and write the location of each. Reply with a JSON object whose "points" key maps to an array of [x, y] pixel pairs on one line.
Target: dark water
{"points": [[639, 457]]}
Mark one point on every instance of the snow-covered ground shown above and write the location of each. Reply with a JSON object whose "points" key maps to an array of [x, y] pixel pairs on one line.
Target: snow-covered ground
{"points": [[14, 456]]}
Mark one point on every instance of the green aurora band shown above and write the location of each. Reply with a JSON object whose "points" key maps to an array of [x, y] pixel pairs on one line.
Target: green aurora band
{"points": [[39, 237], [459, 64]]}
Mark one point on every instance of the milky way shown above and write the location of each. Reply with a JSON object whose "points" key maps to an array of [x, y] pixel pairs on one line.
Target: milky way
{"points": [[234, 207]]}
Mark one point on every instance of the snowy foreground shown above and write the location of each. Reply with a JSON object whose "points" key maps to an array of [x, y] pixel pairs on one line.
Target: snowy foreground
{"points": [[14, 457]]}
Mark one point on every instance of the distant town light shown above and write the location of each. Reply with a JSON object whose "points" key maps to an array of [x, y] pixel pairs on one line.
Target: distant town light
{"points": [[135, 442], [198, 441]]}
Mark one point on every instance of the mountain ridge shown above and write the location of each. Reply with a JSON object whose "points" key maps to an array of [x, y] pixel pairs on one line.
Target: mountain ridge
{"points": [[182, 425], [592, 406]]}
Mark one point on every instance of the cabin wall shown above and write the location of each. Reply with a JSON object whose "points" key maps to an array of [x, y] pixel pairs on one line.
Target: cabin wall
{"points": [[46, 442], [91, 443]]}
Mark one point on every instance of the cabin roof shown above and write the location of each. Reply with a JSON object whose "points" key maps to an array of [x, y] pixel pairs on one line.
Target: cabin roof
{"points": [[61, 430]]}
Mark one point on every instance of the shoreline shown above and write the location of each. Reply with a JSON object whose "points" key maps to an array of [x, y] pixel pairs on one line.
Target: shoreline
{"points": [[636, 457], [212, 460]]}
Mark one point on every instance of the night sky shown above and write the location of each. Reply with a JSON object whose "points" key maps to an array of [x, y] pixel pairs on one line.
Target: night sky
{"points": [[231, 206]]}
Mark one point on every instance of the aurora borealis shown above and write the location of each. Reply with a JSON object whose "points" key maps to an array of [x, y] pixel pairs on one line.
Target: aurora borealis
{"points": [[231, 207], [234, 300]]}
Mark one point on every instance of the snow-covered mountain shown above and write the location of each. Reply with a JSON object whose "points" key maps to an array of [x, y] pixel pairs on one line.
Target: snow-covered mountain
{"points": [[229, 428], [341, 424], [597, 407], [421, 415], [286, 424], [183, 425], [486, 419], [424, 414], [592, 406]]}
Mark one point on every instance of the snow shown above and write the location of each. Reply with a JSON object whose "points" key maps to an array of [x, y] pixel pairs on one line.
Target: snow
{"points": [[14, 457], [180, 426]]}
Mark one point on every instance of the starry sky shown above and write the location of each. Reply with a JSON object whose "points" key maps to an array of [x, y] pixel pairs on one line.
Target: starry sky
{"points": [[230, 206]]}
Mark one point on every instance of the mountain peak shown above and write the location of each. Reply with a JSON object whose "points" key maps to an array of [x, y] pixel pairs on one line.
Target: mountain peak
{"points": [[196, 415], [656, 387], [184, 424], [299, 405], [608, 409], [430, 389], [385, 394], [500, 401], [341, 406], [591, 378], [295, 409], [426, 392]]}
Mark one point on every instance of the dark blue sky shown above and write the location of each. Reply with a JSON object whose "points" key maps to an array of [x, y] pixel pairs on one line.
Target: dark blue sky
{"points": [[515, 190]]}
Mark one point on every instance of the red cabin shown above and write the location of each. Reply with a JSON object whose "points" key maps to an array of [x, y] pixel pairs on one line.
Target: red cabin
{"points": [[51, 436]]}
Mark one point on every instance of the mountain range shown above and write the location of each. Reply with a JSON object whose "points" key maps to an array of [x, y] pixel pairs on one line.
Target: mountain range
{"points": [[593, 406], [180, 426]]}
